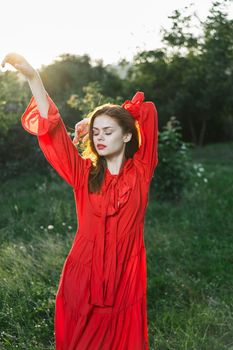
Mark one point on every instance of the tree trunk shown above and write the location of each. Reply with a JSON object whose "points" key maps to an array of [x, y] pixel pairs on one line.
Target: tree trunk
{"points": [[202, 133], [192, 130]]}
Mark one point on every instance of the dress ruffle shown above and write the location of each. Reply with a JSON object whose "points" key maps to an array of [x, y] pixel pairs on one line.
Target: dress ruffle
{"points": [[34, 123], [115, 194]]}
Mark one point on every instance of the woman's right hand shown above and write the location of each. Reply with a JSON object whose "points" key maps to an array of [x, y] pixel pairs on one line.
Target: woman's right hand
{"points": [[21, 64], [81, 128]]}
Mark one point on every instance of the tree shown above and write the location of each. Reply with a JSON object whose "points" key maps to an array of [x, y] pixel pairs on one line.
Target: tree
{"points": [[191, 77], [70, 73]]}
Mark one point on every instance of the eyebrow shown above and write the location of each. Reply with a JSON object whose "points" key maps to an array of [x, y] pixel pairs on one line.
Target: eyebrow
{"points": [[106, 127]]}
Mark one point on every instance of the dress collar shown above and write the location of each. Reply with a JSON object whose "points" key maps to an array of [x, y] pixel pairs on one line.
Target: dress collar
{"points": [[125, 166]]}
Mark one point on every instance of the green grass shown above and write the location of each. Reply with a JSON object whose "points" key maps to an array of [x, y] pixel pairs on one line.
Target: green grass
{"points": [[189, 259]]}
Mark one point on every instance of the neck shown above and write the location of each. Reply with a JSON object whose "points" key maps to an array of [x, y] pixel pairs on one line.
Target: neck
{"points": [[115, 164]]}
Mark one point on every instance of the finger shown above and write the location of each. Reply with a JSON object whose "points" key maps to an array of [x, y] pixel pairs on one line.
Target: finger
{"points": [[12, 58], [4, 61], [75, 138], [77, 132], [78, 126], [87, 127], [8, 59], [85, 138]]}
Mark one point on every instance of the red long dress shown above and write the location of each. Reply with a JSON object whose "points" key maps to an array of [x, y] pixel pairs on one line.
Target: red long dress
{"points": [[101, 297]]}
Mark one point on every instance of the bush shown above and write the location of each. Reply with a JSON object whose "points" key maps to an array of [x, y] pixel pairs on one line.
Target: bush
{"points": [[174, 167], [19, 153]]}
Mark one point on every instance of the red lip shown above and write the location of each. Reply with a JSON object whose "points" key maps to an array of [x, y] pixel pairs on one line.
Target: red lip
{"points": [[99, 145]]}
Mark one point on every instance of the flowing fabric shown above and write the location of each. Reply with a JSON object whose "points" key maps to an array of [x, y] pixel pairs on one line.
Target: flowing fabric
{"points": [[101, 298]]}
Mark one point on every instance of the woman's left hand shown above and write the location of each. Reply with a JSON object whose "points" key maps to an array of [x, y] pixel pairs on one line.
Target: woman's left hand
{"points": [[19, 63], [81, 128]]}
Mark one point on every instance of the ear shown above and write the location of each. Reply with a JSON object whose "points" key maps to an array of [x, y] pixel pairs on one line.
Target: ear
{"points": [[127, 137]]}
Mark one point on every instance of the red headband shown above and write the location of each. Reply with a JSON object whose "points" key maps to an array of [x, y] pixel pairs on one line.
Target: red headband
{"points": [[134, 105]]}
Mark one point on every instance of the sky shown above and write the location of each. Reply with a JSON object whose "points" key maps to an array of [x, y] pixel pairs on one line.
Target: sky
{"points": [[104, 29]]}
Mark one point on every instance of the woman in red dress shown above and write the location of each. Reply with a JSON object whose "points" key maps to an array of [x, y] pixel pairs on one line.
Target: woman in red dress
{"points": [[101, 297]]}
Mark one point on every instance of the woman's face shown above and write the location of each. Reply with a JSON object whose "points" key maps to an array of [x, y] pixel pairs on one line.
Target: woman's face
{"points": [[108, 133]]}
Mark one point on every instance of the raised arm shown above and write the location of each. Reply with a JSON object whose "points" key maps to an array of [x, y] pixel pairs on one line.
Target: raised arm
{"points": [[148, 150], [42, 118], [36, 85], [147, 117]]}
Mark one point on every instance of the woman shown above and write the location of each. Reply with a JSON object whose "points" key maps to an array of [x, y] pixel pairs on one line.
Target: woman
{"points": [[101, 297]]}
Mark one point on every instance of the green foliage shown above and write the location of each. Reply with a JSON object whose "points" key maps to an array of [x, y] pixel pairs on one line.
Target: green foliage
{"points": [[69, 74], [36, 234], [179, 36], [188, 285], [11, 101], [173, 170], [92, 97], [191, 77], [17, 149]]}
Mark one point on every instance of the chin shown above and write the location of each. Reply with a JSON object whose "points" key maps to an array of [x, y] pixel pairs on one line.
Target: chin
{"points": [[101, 151]]}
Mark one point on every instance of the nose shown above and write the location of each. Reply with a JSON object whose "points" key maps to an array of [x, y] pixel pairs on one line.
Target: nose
{"points": [[100, 136]]}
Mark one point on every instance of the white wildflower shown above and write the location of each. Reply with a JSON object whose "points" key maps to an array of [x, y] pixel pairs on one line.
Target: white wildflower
{"points": [[50, 227]]}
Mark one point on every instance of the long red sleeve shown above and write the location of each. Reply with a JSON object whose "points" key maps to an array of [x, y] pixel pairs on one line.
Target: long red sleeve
{"points": [[55, 142], [148, 150]]}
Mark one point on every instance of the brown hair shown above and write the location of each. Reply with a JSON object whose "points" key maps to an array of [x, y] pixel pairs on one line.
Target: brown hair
{"points": [[128, 124]]}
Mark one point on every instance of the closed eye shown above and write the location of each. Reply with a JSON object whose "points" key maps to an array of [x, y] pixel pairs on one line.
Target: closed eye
{"points": [[107, 133]]}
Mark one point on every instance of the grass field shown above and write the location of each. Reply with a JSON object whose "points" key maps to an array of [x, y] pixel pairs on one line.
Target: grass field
{"points": [[189, 259]]}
